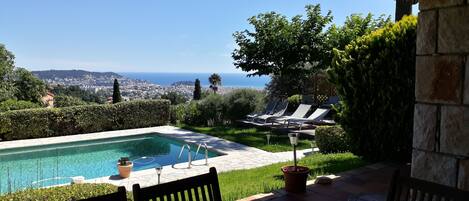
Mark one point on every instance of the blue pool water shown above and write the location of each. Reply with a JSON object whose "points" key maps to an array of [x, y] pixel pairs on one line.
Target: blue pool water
{"points": [[48, 165]]}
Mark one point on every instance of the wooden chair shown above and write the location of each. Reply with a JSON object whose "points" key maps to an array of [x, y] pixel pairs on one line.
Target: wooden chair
{"points": [[120, 195], [404, 188], [198, 188]]}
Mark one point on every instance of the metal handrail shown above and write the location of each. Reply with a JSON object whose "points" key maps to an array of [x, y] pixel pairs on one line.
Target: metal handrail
{"points": [[206, 152], [189, 155]]}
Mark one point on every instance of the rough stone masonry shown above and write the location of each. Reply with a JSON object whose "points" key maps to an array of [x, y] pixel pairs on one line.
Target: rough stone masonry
{"points": [[441, 118]]}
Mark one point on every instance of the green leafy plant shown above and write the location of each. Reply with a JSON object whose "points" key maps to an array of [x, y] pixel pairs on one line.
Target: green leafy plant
{"points": [[241, 102], [68, 192], [67, 101], [123, 161], [375, 79], [17, 105], [45, 122], [331, 139], [294, 101]]}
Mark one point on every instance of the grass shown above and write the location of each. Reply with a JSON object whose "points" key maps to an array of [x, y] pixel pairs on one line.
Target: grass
{"points": [[239, 184], [252, 137]]}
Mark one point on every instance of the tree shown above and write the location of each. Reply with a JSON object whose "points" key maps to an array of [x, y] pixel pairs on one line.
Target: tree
{"points": [[279, 46], [215, 81], [76, 91], [289, 50], [116, 93], [7, 64], [355, 25], [175, 97], [30, 88], [197, 90], [67, 101]]}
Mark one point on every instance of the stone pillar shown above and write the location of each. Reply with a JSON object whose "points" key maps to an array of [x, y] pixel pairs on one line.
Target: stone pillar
{"points": [[441, 119]]}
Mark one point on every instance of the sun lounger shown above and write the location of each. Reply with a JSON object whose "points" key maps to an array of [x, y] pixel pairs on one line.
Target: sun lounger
{"points": [[300, 112], [269, 109], [280, 110], [315, 117]]}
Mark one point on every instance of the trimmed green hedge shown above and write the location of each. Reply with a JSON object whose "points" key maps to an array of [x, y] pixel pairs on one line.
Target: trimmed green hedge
{"points": [[374, 77], [331, 139], [61, 193], [38, 123]]}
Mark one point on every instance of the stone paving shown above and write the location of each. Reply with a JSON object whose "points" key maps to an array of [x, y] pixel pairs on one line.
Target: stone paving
{"points": [[234, 156], [369, 183]]}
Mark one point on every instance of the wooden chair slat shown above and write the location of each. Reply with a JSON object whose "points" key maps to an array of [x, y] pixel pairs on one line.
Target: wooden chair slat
{"points": [[182, 189], [120, 195], [415, 189]]}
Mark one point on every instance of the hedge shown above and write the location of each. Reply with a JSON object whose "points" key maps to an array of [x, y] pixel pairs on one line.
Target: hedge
{"points": [[61, 193], [375, 79], [331, 139], [44, 122]]}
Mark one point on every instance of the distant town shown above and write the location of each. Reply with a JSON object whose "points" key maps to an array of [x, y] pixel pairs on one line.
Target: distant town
{"points": [[102, 83]]}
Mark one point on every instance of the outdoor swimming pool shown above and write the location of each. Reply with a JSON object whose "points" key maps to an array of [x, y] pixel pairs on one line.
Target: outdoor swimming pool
{"points": [[47, 165]]}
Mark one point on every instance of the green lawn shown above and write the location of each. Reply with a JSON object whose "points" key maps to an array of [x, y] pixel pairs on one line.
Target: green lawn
{"points": [[252, 137], [243, 183]]}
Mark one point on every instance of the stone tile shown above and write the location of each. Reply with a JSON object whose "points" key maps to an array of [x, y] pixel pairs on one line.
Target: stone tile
{"points": [[429, 4], [439, 79], [463, 176], [425, 124], [454, 130], [453, 29], [434, 167], [426, 32], [466, 83]]}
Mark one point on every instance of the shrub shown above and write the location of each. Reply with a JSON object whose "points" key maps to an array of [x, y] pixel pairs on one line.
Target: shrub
{"points": [[375, 77], [212, 109], [67, 101], [174, 97], [294, 101], [331, 139], [241, 102], [12, 104], [44, 122], [68, 192]]}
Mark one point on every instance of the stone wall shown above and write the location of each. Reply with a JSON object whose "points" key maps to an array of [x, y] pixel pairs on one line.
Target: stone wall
{"points": [[441, 119]]}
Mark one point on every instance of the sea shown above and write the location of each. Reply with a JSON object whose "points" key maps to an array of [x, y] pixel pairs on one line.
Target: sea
{"points": [[234, 80]]}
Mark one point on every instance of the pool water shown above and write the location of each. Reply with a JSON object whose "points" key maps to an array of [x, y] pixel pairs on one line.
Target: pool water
{"points": [[48, 165]]}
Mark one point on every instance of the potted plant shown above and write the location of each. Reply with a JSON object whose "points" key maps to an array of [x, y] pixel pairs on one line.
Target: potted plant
{"points": [[295, 176], [125, 167]]}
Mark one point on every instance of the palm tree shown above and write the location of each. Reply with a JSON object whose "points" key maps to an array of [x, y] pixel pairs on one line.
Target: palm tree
{"points": [[215, 81]]}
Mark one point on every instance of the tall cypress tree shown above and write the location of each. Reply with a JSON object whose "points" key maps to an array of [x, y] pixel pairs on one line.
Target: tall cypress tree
{"points": [[197, 89], [116, 93]]}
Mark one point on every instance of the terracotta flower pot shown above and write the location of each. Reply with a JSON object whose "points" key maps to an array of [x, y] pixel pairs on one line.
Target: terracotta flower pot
{"points": [[295, 179], [125, 170]]}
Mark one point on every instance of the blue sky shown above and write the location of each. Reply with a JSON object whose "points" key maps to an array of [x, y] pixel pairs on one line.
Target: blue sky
{"points": [[144, 36]]}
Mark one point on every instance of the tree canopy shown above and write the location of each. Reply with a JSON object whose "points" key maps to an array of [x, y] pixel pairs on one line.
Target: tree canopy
{"points": [[18, 83], [116, 93], [29, 87], [279, 45], [197, 90], [7, 64], [215, 81]]}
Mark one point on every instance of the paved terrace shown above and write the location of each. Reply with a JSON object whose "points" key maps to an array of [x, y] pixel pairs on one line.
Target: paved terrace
{"points": [[235, 156], [368, 183]]}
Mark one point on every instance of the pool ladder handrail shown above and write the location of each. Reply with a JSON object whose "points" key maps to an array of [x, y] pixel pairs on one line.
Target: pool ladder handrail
{"points": [[206, 152], [189, 155]]}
